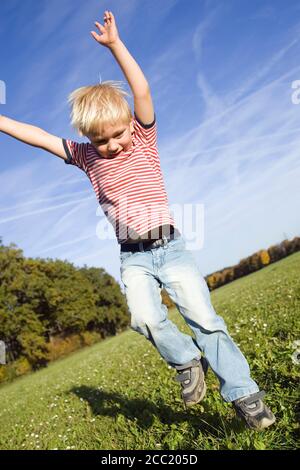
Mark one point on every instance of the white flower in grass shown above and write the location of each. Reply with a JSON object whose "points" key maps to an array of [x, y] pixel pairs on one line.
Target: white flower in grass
{"points": [[296, 357]]}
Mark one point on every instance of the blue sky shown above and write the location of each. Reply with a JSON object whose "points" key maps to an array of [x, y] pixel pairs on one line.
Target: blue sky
{"points": [[221, 75]]}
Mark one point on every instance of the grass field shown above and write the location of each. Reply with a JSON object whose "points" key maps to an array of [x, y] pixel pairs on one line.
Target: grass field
{"points": [[119, 394]]}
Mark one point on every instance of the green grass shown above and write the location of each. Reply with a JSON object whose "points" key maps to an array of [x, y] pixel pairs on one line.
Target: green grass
{"points": [[119, 394]]}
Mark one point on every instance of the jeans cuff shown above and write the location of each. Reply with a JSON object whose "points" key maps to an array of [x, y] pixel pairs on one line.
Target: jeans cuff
{"points": [[239, 393]]}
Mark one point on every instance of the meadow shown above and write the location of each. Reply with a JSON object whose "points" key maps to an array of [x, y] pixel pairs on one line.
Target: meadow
{"points": [[119, 393]]}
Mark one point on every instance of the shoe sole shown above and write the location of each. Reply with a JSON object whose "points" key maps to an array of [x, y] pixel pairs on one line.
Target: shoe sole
{"points": [[264, 424]]}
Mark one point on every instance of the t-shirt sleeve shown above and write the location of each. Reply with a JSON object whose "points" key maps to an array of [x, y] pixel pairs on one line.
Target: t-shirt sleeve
{"points": [[76, 154], [145, 133]]}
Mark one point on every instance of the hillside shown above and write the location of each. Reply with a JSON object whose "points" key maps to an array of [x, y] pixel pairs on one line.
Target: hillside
{"points": [[119, 394]]}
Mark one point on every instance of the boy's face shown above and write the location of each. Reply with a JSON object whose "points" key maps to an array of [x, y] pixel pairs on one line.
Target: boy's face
{"points": [[113, 140]]}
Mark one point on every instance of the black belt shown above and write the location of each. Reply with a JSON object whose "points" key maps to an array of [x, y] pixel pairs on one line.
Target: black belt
{"points": [[150, 244]]}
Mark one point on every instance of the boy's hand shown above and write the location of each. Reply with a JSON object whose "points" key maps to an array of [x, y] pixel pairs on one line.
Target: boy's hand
{"points": [[137, 81], [109, 32]]}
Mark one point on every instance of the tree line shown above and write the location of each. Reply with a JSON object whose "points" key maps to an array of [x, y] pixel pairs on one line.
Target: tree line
{"points": [[49, 308], [248, 265], [253, 263]]}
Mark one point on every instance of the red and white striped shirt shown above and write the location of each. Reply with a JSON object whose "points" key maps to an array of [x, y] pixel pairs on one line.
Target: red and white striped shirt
{"points": [[129, 187]]}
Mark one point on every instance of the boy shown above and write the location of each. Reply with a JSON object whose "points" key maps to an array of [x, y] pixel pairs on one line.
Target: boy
{"points": [[122, 163]]}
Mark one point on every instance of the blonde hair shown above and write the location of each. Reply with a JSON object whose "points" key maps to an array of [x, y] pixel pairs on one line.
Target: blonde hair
{"points": [[95, 106]]}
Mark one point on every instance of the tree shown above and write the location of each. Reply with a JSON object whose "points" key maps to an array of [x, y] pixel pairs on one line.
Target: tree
{"points": [[111, 312], [264, 257]]}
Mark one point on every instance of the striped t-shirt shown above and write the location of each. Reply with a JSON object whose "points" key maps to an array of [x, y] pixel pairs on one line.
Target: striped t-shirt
{"points": [[129, 187]]}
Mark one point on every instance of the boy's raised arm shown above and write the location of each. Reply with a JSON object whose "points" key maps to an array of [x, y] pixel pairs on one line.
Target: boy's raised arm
{"points": [[32, 135], [109, 37]]}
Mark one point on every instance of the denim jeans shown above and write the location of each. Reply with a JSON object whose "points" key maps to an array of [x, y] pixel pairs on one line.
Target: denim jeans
{"points": [[174, 268]]}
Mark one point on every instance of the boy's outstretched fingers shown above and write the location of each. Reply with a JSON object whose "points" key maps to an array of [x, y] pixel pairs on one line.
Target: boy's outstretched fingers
{"points": [[109, 17], [96, 36], [108, 33]]}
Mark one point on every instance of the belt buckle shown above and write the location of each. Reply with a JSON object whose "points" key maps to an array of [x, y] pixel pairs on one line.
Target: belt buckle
{"points": [[165, 242], [161, 242], [157, 243]]}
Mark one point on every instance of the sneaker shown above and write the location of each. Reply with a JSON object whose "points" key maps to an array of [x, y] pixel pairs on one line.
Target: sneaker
{"points": [[191, 377], [254, 412]]}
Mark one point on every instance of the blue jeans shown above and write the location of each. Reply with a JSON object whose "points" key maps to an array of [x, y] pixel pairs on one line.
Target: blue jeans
{"points": [[173, 268]]}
